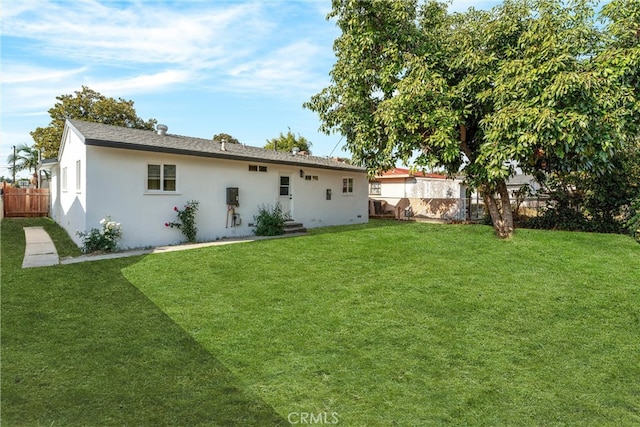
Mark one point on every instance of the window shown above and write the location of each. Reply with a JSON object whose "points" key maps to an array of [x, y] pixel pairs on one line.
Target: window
{"points": [[284, 185], [347, 185], [64, 179], [375, 188], [256, 168], [169, 177], [78, 176], [161, 178]]}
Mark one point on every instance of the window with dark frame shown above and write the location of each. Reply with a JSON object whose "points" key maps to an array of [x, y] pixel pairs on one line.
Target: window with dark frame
{"points": [[347, 186], [256, 168]]}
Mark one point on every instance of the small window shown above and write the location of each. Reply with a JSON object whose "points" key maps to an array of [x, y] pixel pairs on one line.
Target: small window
{"points": [[347, 185], [169, 178], [161, 177], [153, 177], [262, 168], [307, 177], [284, 185], [253, 168], [315, 177], [375, 188], [64, 179], [78, 176]]}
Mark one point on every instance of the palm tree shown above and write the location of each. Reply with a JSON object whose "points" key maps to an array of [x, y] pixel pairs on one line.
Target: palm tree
{"points": [[24, 158]]}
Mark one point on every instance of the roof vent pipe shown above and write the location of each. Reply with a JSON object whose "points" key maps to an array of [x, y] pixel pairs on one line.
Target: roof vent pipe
{"points": [[162, 129], [223, 145]]}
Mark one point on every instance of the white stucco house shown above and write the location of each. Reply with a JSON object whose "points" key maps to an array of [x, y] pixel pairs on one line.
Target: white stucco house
{"points": [[399, 183], [404, 193], [137, 177]]}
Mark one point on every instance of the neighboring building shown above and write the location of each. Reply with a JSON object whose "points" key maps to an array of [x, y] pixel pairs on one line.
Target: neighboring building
{"points": [[138, 176], [403, 193], [401, 183]]}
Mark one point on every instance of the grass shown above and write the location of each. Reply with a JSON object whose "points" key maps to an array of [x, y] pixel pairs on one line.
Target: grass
{"points": [[381, 324], [82, 346]]}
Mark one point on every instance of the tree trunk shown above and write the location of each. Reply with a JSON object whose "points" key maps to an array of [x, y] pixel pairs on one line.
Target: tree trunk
{"points": [[501, 214]]}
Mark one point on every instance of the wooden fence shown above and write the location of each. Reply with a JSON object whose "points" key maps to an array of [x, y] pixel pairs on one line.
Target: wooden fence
{"points": [[26, 202]]}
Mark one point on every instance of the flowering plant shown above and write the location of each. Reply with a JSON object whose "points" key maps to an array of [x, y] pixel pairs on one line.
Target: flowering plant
{"points": [[104, 238], [187, 220]]}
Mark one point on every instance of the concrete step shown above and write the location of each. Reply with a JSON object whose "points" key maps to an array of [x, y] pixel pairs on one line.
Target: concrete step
{"points": [[294, 227]]}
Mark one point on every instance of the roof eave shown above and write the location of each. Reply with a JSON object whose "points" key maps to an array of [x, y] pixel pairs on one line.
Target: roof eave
{"points": [[221, 155]]}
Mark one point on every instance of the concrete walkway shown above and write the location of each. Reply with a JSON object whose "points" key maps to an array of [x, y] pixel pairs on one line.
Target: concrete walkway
{"points": [[40, 250]]}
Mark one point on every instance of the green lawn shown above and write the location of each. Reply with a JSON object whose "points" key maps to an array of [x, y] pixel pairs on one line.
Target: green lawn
{"points": [[376, 325]]}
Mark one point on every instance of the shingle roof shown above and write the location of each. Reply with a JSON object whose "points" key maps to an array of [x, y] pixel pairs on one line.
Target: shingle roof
{"points": [[99, 134]]}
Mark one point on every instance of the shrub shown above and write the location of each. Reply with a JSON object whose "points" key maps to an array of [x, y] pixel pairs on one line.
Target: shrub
{"points": [[104, 238], [186, 220], [270, 221], [633, 225]]}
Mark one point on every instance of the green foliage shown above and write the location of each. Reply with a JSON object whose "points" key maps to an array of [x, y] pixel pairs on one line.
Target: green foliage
{"points": [[104, 238], [186, 220], [219, 137], [26, 158], [270, 221], [599, 202], [287, 142], [532, 83], [633, 224], [87, 105]]}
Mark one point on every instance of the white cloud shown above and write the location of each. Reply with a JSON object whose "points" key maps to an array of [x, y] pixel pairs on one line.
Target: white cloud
{"points": [[147, 32], [288, 67], [13, 74], [142, 83]]}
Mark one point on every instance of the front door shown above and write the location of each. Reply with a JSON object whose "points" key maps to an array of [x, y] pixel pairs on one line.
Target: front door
{"points": [[285, 195]]}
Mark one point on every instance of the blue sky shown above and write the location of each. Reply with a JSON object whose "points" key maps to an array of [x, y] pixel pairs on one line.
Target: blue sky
{"points": [[201, 67]]}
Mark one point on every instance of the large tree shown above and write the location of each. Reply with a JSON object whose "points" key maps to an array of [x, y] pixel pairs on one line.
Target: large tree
{"points": [[479, 92], [88, 105], [288, 142], [219, 137]]}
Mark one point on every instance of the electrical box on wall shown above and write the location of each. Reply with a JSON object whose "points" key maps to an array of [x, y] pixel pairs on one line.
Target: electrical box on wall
{"points": [[233, 198]]}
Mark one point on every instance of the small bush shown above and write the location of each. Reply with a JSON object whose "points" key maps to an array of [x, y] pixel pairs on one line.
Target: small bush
{"points": [[187, 220], [633, 225], [102, 239], [270, 221]]}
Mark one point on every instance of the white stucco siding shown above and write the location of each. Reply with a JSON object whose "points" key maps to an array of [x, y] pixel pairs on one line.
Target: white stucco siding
{"points": [[70, 188], [393, 189], [117, 180], [312, 207], [424, 188]]}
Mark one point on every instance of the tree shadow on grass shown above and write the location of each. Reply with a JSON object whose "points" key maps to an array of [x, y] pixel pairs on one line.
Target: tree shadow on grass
{"points": [[83, 346]]}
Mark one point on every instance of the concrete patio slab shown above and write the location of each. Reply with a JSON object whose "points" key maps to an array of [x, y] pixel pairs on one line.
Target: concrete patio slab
{"points": [[39, 250]]}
